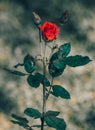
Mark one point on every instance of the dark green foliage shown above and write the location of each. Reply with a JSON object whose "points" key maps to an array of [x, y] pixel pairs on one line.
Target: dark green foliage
{"points": [[57, 62], [52, 113], [64, 50], [55, 122], [20, 121], [55, 71], [32, 81], [77, 60], [52, 120], [42, 79], [19, 118], [15, 72], [29, 63], [54, 57], [24, 125], [59, 91], [45, 81], [35, 80], [56, 67], [32, 113]]}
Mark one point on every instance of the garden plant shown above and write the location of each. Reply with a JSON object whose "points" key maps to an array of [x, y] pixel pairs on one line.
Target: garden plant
{"points": [[53, 64]]}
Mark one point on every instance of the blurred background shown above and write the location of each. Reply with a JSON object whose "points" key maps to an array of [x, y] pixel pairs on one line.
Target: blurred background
{"points": [[19, 36]]}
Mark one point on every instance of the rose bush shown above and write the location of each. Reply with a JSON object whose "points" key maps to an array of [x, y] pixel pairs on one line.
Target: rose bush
{"points": [[49, 31], [55, 63]]}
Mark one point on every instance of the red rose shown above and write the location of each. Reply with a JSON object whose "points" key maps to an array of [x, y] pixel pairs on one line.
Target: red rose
{"points": [[49, 31]]}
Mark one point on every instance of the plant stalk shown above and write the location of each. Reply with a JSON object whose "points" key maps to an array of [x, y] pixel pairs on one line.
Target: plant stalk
{"points": [[44, 90], [50, 88]]}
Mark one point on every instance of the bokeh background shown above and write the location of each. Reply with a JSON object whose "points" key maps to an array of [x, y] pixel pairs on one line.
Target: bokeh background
{"points": [[19, 36]]}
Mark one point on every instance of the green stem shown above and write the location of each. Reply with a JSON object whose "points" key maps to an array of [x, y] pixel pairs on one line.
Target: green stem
{"points": [[40, 35], [40, 41], [50, 88], [52, 50], [44, 90]]}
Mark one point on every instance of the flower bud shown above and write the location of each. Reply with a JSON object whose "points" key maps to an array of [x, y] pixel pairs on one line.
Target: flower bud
{"points": [[37, 19]]}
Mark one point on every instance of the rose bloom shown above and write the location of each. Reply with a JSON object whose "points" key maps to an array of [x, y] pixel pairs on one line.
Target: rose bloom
{"points": [[49, 31]]}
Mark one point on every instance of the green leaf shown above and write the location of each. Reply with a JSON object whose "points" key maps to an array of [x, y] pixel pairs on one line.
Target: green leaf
{"points": [[59, 91], [15, 72], [59, 64], [54, 57], [32, 113], [57, 123], [39, 77], [77, 60], [64, 50], [32, 81], [51, 113], [46, 82], [24, 125], [42, 79], [35, 80], [29, 63], [56, 67], [19, 118]]}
